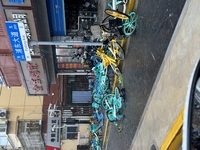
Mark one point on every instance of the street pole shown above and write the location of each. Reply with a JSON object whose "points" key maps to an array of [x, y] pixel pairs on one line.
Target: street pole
{"points": [[32, 43]]}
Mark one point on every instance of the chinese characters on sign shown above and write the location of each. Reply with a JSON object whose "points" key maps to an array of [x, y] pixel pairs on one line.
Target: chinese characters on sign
{"points": [[18, 41], [34, 75], [23, 19]]}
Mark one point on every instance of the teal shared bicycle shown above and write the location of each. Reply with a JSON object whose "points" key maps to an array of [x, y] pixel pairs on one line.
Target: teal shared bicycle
{"points": [[101, 84], [112, 103], [95, 142], [118, 21]]}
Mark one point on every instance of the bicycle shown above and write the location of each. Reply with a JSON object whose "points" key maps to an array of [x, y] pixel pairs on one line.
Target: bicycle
{"points": [[113, 24], [117, 3], [108, 60], [97, 116], [102, 80], [116, 50], [119, 21], [94, 127], [112, 103], [101, 84], [95, 142]]}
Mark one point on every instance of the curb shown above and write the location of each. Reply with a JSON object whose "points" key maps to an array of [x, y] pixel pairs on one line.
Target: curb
{"points": [[130, 6]]}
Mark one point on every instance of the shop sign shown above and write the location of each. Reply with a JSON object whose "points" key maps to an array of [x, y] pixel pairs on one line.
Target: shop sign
{"points": [[16, 1], [23, 19], [34, 75], [53, 136], [18, 40], [35, 78]]}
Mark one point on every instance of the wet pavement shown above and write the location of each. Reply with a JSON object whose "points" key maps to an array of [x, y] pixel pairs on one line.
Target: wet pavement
{"points": [[145, 50]]}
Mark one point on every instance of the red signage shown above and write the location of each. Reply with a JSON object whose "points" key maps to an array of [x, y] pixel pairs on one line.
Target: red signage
{"points": [[52, 148]]}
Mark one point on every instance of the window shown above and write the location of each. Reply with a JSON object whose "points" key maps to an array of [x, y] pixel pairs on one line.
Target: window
{"points": [[29, 133], [70, 132], [3, 128], [29, 126]]}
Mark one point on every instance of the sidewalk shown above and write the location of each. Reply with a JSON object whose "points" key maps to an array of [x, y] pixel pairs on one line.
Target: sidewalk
{"points": [[158, 127]]}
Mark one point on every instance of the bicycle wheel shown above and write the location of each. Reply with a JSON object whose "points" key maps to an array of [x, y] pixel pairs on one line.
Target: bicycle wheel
{"points": [[117, 14], [107, 101], [129, 26], [116, 70], [106, 25], [118, 49]]}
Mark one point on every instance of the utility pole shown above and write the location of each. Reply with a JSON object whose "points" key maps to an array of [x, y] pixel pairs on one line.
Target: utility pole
{"points": [[32, 43]]}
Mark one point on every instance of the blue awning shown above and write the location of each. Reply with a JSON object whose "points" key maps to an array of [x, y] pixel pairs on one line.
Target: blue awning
{"points": [[56, 15]]}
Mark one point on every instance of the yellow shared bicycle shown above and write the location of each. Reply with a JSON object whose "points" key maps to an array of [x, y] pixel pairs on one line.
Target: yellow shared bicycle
{"points": [[111, 56]]}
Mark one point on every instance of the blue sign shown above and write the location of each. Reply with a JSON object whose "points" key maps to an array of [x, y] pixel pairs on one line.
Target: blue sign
{"points": [[16, 1], [1, 81], [56, 15], [18, 41]]}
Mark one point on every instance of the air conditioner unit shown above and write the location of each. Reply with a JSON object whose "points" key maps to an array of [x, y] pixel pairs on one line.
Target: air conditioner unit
{"points": [[2, 114]]}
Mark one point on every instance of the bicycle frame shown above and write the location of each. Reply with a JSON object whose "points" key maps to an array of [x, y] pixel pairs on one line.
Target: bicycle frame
{"points": [[96, 126], [114, 4], [98, 116], [95, 142], [106, 60], [112, 49], [101, 84], [99, 70], [102, 81]]}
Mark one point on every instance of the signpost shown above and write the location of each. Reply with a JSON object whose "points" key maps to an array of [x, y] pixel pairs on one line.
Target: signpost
{"points": [[18, 40]]}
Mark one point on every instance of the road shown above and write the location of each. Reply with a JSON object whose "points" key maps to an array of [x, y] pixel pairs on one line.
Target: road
{"points": [[145, 51]]}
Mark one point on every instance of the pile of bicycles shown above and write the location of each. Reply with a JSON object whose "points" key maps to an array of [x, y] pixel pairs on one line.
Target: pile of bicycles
{"points": [[97, 121], [101, 60]]}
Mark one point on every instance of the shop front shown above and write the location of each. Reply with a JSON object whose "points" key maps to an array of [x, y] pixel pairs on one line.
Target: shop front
{"points": [[37, 72], [66, 131], [66, 16]]}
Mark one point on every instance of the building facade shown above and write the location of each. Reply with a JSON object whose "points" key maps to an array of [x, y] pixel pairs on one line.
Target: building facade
{"points": [[49, 66], [20, 120]]}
